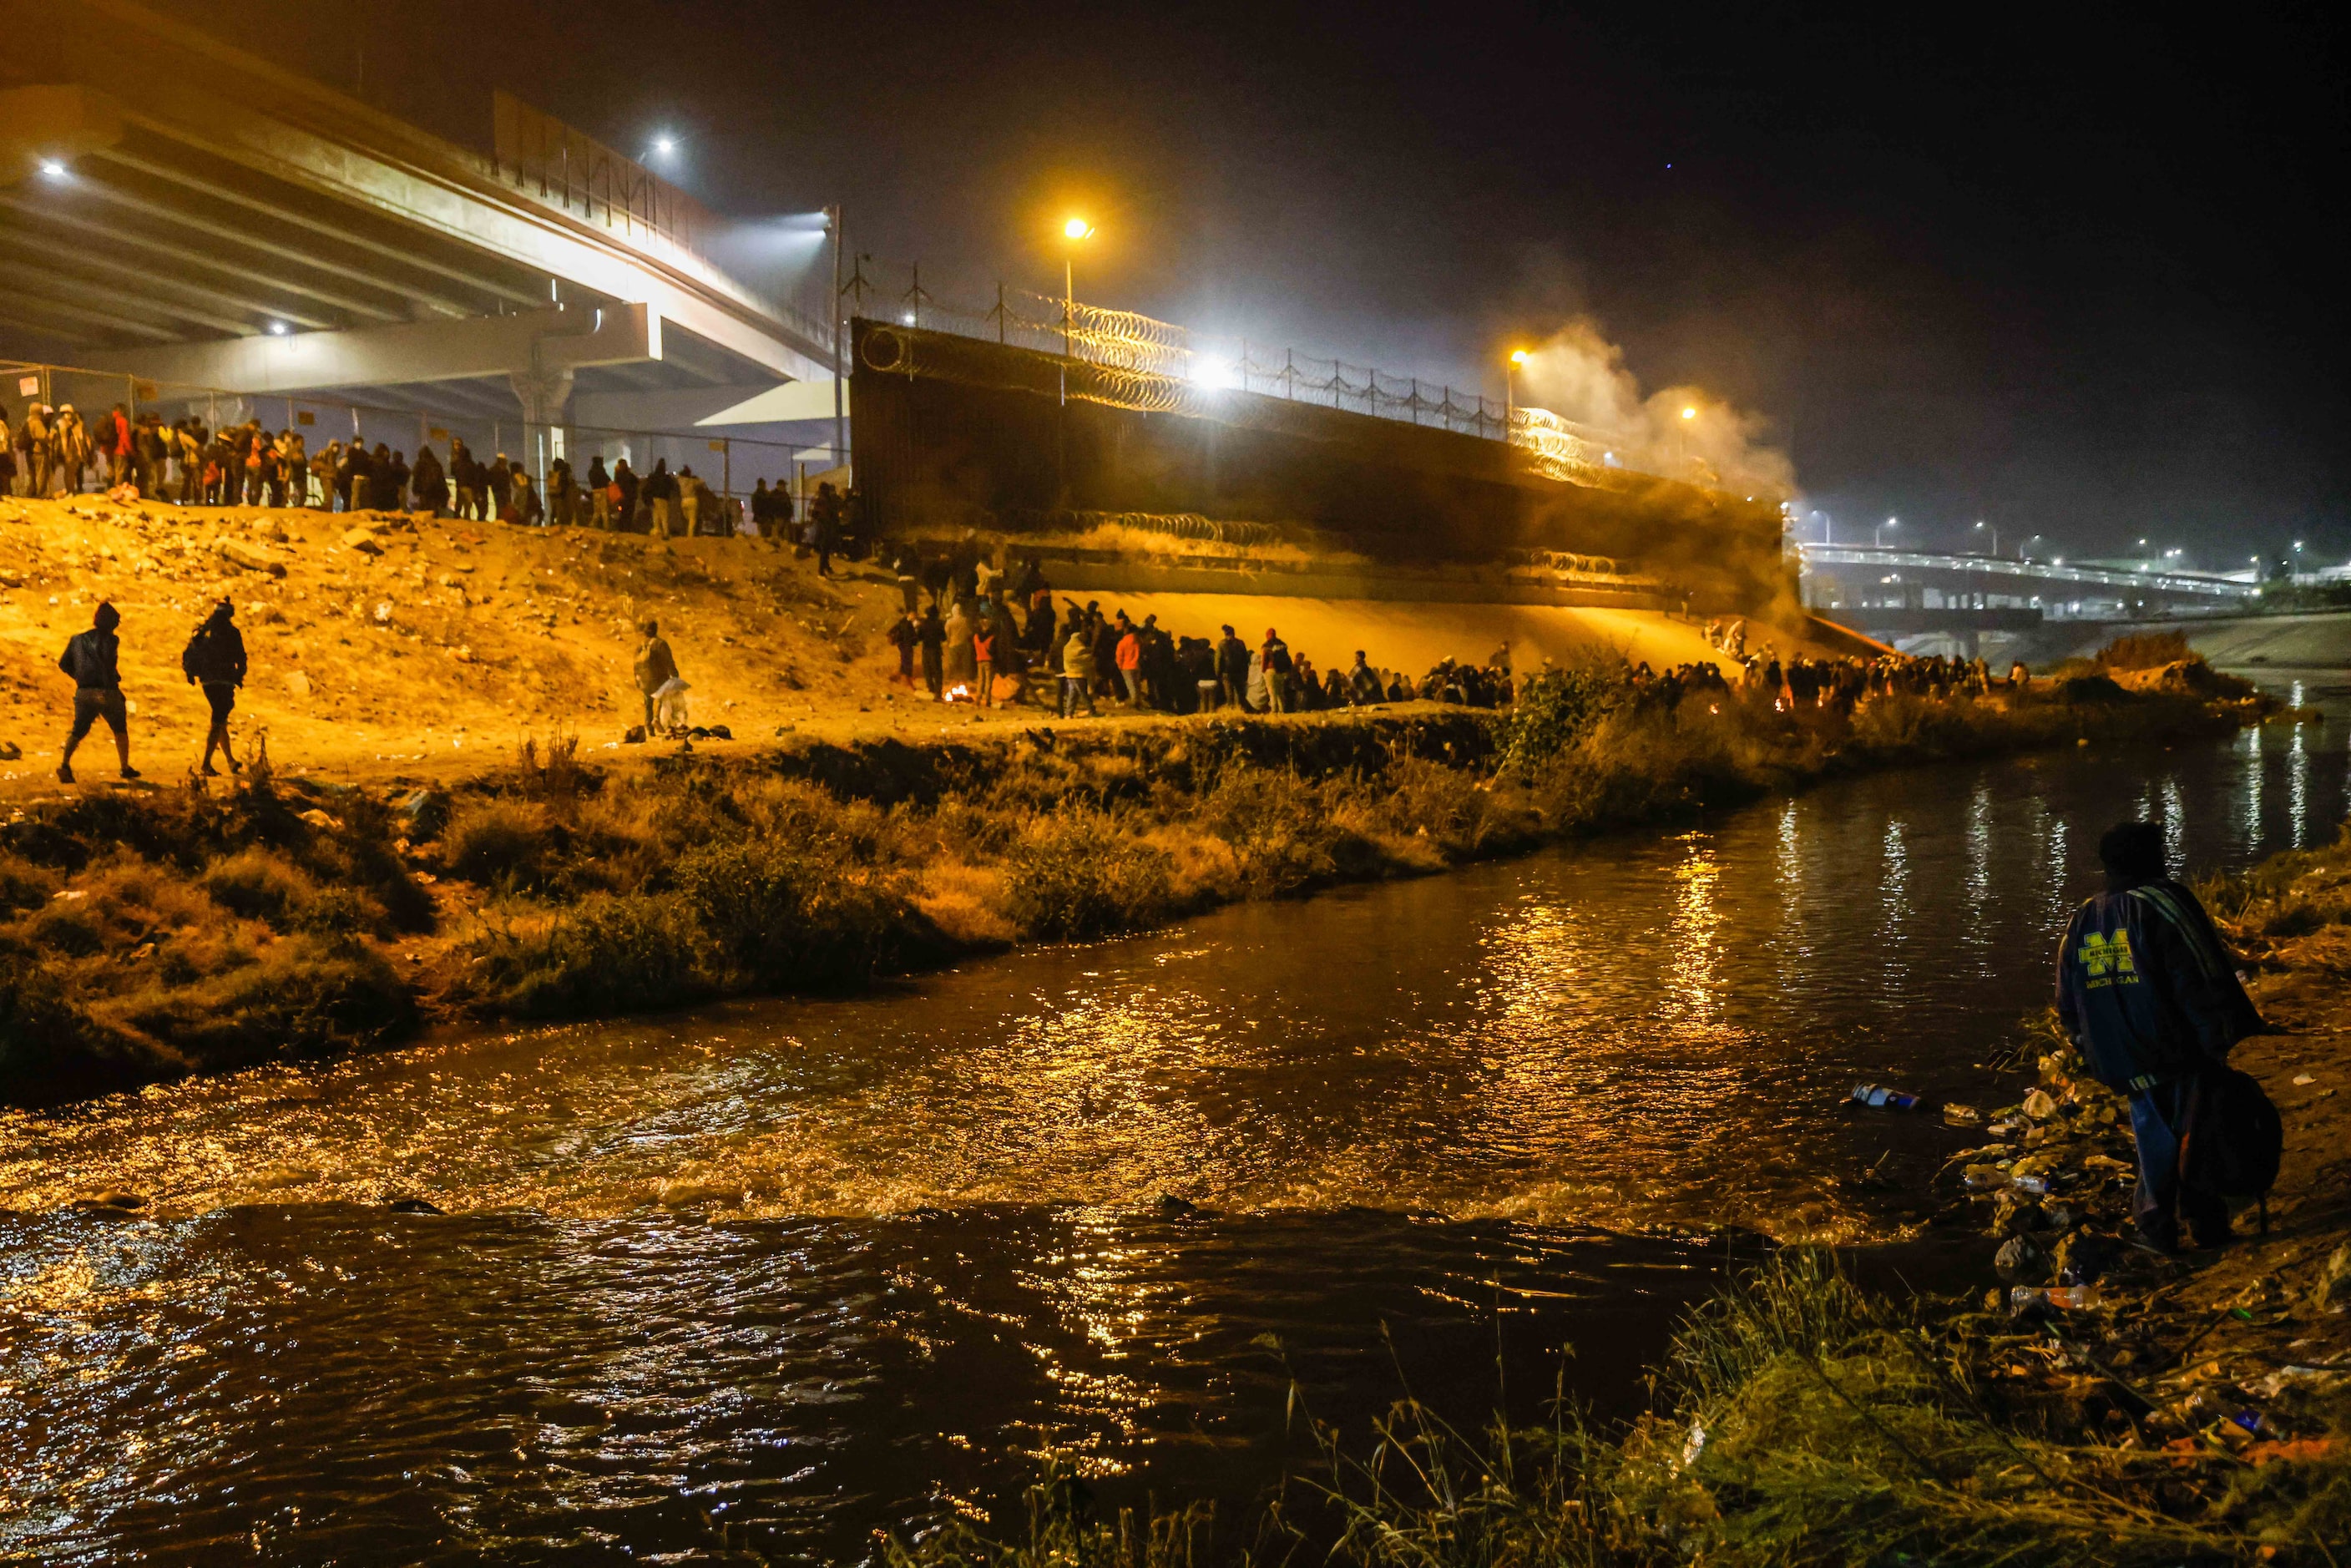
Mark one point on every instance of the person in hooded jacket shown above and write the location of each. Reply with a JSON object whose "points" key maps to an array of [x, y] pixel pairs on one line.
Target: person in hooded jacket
{"points": [[215, 660], [2150, 995], [91, 658], [430, 482]]}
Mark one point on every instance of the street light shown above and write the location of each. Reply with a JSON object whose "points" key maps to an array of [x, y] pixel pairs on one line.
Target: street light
{"points": [[1995, 535], [2024, 551], [1879, 536], [1510, 387], [1073, 231]]}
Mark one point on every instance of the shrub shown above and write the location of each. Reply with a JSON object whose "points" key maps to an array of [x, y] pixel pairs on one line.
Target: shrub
{"points": [[66, 928], [23, 884], [2144, 651], [305, 997], [614, 952], [51, 1050], [1077, 874], [259, 885], [509, 844], [1555, 708], [784, 917]]}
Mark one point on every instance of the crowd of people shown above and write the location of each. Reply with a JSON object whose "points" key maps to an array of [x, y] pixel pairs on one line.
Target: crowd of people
{"points": [[55, 452], [989, 635]]}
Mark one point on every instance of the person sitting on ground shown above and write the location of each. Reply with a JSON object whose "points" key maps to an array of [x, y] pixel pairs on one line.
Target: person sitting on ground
{"points": [[656, 667], [214, 658], [2149, 994], [90, 658]]}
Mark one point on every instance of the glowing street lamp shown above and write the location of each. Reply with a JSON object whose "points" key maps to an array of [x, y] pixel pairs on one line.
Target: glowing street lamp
{"points": [[2024, 551], [1510, 387], [1889, 523], [1981, 524], [1073, 231]]}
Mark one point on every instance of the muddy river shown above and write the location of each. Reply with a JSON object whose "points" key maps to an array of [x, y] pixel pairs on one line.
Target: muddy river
{"points": [[749, 1284]]}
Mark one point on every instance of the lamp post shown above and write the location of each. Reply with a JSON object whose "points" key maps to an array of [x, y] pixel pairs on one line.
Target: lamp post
{"points": [[1681, 447], [1073, 231], [1981, 524], [1878, 538], [840, 433], [1511, 390], [2024, 550]]}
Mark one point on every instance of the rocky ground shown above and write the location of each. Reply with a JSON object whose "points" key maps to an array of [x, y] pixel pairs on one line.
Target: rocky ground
{"points": [[2220, 1358]]}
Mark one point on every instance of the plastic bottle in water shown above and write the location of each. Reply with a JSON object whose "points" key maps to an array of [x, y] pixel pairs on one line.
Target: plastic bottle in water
{"points": [[1878, 1096]]}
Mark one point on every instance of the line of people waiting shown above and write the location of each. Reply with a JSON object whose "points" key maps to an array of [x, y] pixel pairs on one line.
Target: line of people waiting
{"points": [[985, 634], [53, 451]]}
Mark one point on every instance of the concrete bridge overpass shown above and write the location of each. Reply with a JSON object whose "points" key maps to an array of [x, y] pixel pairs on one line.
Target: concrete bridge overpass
{"points": [[190, 215], [1857, 580]]}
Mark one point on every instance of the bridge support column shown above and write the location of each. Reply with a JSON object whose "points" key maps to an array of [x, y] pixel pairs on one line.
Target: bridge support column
{"points": [[543, 394]]}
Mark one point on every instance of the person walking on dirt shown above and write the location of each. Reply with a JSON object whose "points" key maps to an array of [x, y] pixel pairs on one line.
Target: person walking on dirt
{"points": [[90, 659], [656, 667], [2149, 993], [214, 659]]}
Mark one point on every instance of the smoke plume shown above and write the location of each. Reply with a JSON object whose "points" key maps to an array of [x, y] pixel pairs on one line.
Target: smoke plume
{"points": [[1681, 432]]}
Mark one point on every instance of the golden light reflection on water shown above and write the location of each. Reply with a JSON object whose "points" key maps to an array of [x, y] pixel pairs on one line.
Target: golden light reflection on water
{"points": [[1694, 985]]}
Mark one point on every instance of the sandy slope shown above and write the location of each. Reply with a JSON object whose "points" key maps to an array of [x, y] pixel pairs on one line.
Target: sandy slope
{"points": [[434, 646]]}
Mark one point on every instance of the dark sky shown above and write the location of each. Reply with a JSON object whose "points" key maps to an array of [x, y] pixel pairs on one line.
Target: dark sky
{"points": [[2079, 273]]}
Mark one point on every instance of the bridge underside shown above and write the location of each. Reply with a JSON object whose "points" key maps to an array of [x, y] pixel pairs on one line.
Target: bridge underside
{"points": [[185, 213]]}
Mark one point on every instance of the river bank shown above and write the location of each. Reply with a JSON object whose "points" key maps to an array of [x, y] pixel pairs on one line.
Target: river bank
{"points": [[157, 934]]}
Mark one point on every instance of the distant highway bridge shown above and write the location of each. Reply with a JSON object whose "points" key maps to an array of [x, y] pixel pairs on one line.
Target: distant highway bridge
{"points": [[1898, 592]]}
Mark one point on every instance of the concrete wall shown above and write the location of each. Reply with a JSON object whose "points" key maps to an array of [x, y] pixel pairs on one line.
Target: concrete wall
{"points": [[950, 433]]}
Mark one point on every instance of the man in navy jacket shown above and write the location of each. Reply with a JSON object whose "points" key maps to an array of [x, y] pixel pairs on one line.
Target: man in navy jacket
{"points": [[2150, 994]]}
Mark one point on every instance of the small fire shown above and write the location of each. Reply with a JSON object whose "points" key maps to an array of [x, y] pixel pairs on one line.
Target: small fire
{"points": [[956, 693]]}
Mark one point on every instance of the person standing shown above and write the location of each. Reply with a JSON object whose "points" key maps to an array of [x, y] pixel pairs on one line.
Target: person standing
{"points": [[826, 515], [931, 636], [1077, 670], [656, 667], [121, 447], [985, 639], [214, 659], [1275, 653], [908, 567], [904, 634], [1232, 671], [92, 659], [959, 660], [1130, 660], [2149, 994]]}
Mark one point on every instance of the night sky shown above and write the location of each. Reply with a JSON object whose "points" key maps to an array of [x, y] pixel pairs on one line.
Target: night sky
{"points": [[2079, 276]]}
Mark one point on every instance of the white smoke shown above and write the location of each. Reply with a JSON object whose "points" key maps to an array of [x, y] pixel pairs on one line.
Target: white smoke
{"points": [[1680, 432]]}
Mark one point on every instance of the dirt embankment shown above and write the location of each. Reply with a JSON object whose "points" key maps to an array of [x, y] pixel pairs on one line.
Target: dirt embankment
{"points": [[392, 644], [382, 643]]}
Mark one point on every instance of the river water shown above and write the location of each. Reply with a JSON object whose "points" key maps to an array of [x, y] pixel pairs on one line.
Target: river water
{"points": [[749, 1284]]}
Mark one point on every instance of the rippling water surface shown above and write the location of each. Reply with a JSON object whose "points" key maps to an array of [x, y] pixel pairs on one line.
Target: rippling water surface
{"points": [[758, 1280]]}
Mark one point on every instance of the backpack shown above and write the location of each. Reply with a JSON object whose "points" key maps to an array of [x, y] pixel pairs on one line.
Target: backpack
{"points": [[2235, 1138]]}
